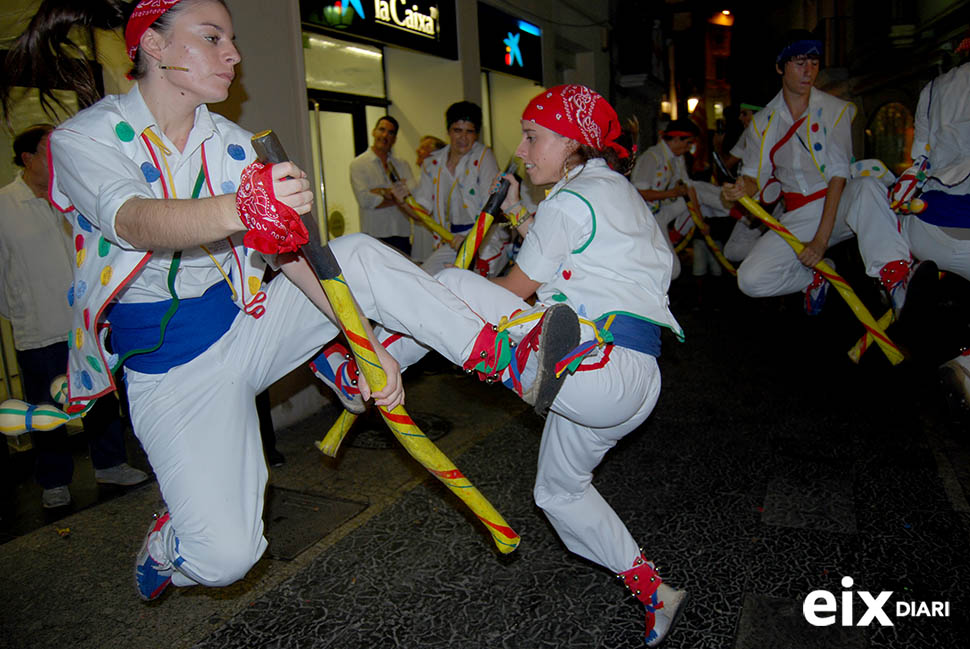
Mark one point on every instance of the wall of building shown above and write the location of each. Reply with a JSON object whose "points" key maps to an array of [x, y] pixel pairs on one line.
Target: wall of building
{"points": [[421, 87]]}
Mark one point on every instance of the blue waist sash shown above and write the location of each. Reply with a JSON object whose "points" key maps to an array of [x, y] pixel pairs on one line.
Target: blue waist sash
{"points": [[632, 332], [195, 326], [946, 210]]}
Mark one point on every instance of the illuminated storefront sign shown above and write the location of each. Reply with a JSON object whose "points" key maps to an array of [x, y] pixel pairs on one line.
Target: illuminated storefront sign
{"points": [[415, 24], [508, 44]]}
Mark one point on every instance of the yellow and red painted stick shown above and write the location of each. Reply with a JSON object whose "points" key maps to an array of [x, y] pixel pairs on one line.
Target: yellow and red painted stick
{"points": [[864, 343], [416, 443], [887, 346], [685, 239], [491, 209], [705, 229], [403, 427], [423, 215]]}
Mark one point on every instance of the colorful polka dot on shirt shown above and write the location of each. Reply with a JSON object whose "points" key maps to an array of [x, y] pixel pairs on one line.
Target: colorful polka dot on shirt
{"points": [[78, 338], [150, 172], [104, 247], [81, 256], [83, 223], [93, 362], [87, 318], [70, 296], [78, 242], [818, 146], [80, 289], [86, 379], [106, 274], [254, 284], [124, 131], [815, 128], [236, 152], [228, 187]]}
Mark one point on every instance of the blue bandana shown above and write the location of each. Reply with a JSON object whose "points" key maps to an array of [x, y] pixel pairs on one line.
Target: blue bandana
{"points": [[797, 48]]}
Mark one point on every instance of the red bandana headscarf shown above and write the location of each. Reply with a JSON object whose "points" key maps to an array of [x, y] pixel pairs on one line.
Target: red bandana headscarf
{"points": [[577, 113], [145, 14]]}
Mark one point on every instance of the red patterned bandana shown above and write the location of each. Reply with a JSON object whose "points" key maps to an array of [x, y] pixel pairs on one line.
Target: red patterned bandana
{"points": [[145, 14], [578, 113]]}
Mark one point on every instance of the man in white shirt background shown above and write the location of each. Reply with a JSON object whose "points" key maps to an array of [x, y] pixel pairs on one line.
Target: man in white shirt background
{"points": [[370, 177], [36, 270]]}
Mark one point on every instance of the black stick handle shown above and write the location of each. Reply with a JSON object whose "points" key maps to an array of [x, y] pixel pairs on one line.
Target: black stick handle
{"points": [[270, 150], [493, 205]]}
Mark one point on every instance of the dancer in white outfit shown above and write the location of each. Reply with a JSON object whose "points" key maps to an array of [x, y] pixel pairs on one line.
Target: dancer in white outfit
{"points": [[173, 220], [660, 175], [593, 246], [802, 141]]}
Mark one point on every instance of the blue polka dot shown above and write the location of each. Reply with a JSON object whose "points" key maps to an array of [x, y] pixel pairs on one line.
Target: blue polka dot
{"points": [[228, 187], [582, 311], [81, 289], [86, 380], [236, 152], [70, 296], [150, 172], [83, 223], [818, 146]]}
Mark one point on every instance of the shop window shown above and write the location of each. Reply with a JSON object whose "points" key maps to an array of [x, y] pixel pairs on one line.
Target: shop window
{"points": [[344, 67], [890, 136]]}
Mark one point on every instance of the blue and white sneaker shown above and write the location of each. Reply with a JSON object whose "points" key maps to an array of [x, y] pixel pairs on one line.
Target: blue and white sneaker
{"points": [[336, 367], [151, 576], [817, 291]]}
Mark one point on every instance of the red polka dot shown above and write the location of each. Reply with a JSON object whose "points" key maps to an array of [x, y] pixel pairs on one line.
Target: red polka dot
{"points": [[566, 274], [475, 163], [87, 319], [814, 128], [78, 242]]}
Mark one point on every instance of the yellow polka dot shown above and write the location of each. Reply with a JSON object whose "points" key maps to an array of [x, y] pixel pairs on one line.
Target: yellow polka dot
{"points": [[80, 257], [865, 173], [254, 285], [927, 146], [78, 338], [106, 275]]}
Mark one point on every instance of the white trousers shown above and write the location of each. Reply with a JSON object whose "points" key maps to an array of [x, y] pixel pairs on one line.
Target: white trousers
{"points": [[930, 242], [771, 268], [198, 423], [743, 237], [591, 413]]}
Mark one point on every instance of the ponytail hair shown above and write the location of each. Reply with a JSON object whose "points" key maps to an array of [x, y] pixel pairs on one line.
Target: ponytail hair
{"points": [[45, 57], [628, 139]]}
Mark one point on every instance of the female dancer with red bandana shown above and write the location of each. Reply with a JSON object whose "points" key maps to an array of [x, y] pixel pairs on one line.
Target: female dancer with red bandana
{"points": [[594, 246], [173, 220]]}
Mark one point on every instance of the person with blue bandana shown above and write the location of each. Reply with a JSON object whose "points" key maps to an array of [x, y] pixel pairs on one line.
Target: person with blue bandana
{"points": [[800, 145]]}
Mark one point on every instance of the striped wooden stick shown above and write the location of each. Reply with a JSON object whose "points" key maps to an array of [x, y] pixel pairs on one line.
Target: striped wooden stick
{"points": [[887, 346]]}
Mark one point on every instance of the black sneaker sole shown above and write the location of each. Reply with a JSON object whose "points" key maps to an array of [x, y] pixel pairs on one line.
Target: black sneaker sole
{"points": [[559, 336]]}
